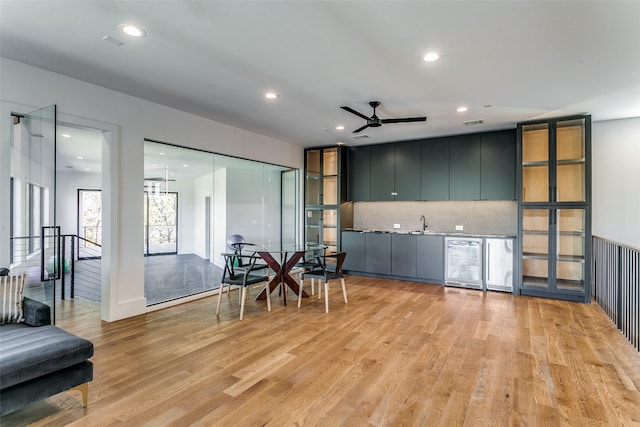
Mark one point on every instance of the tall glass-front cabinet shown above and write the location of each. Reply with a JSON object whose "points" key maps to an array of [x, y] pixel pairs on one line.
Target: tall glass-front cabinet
{"points": [[325, 192], [555, 207]]}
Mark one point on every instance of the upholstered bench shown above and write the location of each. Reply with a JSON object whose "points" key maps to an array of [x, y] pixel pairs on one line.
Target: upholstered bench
{"points": [[37, 362]]}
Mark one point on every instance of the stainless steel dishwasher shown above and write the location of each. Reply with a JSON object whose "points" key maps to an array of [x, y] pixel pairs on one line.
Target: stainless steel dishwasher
{"points": [[463, 262]]}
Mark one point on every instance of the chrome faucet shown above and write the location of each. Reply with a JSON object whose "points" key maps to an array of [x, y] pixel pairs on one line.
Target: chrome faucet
{"points": [[424, 223]]}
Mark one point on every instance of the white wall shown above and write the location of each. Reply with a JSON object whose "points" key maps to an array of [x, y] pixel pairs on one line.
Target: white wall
{"points": [[185, 189], [26, 88], [219, 216], [253, 204], [67, 186], [203, 188], [616, 180]]}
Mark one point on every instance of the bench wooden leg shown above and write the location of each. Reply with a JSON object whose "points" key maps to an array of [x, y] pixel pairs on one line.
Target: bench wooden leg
{"points": [[84, 389]]}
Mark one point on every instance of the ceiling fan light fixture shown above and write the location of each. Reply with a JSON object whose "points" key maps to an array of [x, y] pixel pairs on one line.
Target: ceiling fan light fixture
{"points": [[431, 57]]}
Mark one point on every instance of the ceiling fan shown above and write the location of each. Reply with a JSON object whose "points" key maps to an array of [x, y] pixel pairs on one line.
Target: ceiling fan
{"points": [[374, 121]]}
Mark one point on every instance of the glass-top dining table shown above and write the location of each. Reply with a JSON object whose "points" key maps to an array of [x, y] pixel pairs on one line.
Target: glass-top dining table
{"points": [[282, 259]]}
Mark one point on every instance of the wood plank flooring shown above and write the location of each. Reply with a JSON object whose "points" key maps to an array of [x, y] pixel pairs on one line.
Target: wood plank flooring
{"points": [[399, 354]]}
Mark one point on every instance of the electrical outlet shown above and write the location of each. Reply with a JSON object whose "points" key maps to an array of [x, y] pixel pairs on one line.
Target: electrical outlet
{"points": [[459, 227], [396, 225]]}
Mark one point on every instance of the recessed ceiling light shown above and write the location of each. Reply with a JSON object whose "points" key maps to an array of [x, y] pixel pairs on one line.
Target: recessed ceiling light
{"points": [[271, 95], [66, 135], [339, 127], [80, 158], [162, 154], [186, 166], [87, 169], [462, 109], [132, 30], [431, 56]]}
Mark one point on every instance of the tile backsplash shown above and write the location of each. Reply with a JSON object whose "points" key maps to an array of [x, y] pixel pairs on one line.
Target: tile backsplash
{"points": [[499, 217]]}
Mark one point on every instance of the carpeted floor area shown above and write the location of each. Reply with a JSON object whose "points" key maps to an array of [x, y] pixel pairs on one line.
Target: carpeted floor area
{"points": [[168, 277]]}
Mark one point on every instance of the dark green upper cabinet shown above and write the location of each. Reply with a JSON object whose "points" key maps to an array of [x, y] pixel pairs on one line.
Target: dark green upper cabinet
{"points": [[360, 174], [407, 170], [464, 164], [498, 165], [395, 171], [382, 172], [434, 169], [480, 166]]}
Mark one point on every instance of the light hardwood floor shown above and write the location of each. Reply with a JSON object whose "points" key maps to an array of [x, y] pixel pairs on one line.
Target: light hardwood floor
{"points": [[399, 354]]}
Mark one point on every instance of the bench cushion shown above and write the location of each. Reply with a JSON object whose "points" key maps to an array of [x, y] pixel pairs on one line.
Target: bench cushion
{"points": [[30, 352]]}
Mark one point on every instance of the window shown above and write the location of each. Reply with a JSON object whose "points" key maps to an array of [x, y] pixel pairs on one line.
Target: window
{"points": [[160, 223], [90, 217]]}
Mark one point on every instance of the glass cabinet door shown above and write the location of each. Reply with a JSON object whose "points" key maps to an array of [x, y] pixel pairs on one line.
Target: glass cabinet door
{"points": [[535, 247], [570, 161], [312, 231], [555, 208], [535, 163], [312, 178], [330, 176], [330, 229], [570, 249], [330, 161]]}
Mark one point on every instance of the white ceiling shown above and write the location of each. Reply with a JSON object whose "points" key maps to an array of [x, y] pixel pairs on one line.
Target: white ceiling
{"points": [[527, 59]]}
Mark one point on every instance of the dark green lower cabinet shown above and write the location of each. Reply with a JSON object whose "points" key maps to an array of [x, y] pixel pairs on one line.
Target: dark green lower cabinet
{"points": [[403, 255], [378, 253], [430, 258], [353, 245], [408, 256]]}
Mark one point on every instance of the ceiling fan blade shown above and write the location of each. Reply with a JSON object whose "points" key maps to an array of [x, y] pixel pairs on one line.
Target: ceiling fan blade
{"points": [[352, 111], [404, 120], [361, 129]]}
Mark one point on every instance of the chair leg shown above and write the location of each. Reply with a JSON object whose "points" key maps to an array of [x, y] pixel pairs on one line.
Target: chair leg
{"points": [[244, 297], [268, 297], [326, 296], [220, 291], [300, 292], [344, 289]]}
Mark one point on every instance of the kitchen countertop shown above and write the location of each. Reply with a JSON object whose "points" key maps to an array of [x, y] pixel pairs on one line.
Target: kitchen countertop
{"points": [[432, 233]]}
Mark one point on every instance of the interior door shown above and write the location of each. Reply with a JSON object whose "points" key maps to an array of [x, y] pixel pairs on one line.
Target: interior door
{"points": [[34, 237]]}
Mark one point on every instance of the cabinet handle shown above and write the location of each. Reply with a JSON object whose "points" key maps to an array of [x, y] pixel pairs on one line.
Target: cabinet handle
{"points": [[487, 261]]}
